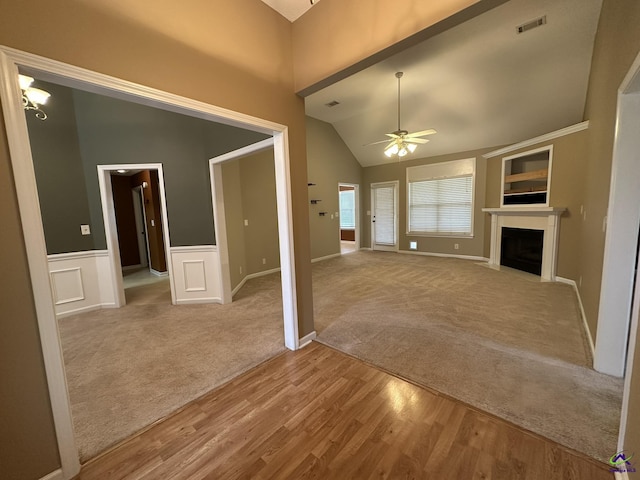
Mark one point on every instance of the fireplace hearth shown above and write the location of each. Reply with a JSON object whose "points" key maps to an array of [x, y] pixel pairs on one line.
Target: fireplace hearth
{"points": [[521, 248]]}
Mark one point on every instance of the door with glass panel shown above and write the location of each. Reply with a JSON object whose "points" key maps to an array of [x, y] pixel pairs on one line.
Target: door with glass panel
{"points": [[384, 216]]}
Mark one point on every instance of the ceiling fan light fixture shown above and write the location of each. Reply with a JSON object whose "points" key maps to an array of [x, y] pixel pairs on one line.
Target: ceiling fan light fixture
{"points": [[412, 147], [391, 150]]}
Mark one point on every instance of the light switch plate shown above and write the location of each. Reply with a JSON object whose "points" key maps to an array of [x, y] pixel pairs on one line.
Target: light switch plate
{"points": [[85, 230]]}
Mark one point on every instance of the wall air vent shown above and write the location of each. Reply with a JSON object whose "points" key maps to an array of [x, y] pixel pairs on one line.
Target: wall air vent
{"points": [[332, 103], [538, 22]]}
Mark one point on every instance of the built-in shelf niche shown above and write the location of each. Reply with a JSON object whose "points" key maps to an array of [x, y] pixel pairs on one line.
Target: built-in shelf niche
{"points": [[526, 178]]}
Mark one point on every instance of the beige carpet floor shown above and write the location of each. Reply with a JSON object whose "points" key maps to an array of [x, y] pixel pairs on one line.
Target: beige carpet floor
{"points": [[129, 367], [499, 340]]}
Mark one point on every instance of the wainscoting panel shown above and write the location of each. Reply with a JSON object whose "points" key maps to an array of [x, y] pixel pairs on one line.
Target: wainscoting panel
{"points": [[80, 281], [196, 274]]}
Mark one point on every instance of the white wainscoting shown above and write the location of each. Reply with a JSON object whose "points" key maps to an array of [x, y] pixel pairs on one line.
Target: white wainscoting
{"points": [[80, 281], [196, 272]]}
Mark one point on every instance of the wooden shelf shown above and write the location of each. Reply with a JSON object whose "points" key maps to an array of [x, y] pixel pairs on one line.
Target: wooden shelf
{"points": [[523, 177], [520, 191]]}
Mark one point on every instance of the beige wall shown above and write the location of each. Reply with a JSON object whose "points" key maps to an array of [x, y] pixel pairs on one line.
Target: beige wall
{"points": [[398, 171], [567, 180], [235, 54], [336, 38], [249, 188], [257, 177], [616, 46], [329, 162], [232, 192]]}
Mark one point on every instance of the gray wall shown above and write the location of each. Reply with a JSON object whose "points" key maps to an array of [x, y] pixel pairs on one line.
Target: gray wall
{"points": [[60, 174], [110, 131], [329, 162]]}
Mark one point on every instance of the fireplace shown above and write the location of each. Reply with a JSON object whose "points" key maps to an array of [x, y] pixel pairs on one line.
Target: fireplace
{"points": [[521, 248], [545, 220]]}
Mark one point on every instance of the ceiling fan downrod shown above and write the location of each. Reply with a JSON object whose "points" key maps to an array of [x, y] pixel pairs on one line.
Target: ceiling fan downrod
{"points": [[399, 76]]}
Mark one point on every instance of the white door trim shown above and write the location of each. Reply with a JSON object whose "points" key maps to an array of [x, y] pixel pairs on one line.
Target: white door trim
{"points": [[624, 164], [356, 207], [285, 218], [622, 223], [111, 228], [24, 177], [396, 186]]}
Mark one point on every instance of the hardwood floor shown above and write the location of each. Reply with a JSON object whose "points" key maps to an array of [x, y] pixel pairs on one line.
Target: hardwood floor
{"points": [[317, 413]]}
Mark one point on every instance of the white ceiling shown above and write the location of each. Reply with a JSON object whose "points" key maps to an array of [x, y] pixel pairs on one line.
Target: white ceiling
{"points": [[479, 84], [290, 9]]}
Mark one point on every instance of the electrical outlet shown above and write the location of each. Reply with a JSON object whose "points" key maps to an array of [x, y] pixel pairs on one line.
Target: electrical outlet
{"points": [[456, 246], [264, 261], [85, 230], [413, 245], [246, 223]]}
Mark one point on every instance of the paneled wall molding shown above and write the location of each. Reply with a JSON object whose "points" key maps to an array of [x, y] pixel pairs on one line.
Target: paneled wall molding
{"points": [[80, 281], [197, 274]]}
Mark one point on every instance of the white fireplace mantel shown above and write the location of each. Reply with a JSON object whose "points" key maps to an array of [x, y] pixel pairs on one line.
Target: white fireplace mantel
{"points": [[534, 218]]}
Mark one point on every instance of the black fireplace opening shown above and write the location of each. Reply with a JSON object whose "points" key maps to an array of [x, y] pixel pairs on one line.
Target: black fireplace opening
{"points": [[522, 249]]}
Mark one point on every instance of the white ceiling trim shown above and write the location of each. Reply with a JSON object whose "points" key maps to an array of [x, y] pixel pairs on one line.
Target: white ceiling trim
{"points": [[578, 127]]}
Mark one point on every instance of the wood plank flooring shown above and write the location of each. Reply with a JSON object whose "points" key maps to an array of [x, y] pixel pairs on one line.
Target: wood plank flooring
{"points": [[318, 413]]}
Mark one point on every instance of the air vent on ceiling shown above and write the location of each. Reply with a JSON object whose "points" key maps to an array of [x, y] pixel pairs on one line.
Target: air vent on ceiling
{"points": [[538, 22], [332, 103]]}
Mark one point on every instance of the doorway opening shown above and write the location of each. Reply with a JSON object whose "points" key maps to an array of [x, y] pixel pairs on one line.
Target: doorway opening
{"points": [[349, 206], [23, 173], [140, 233]]}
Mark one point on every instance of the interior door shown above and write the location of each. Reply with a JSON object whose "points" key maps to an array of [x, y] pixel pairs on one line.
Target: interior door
{"points": [[384, 216], [141, 227]]}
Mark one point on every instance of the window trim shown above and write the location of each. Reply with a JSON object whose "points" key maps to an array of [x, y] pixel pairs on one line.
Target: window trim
{"points": [[473, 161]]}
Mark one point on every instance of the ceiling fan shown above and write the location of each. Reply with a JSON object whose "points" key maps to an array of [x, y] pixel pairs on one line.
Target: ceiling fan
{"points": [[402, 142]]}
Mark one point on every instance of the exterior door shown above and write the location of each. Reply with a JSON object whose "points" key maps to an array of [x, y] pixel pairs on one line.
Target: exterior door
{"points": [[384, 216]]}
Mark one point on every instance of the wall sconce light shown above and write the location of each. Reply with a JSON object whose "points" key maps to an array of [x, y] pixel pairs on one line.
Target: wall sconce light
{"points": [[32, 97]]}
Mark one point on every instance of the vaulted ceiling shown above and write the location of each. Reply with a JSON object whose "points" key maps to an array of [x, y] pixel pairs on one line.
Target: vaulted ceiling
{"points": [[479, 84]]}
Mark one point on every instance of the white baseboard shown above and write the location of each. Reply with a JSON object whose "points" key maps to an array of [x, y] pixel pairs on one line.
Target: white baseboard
{"points": [[198, 301], [253, 275], [326, 257], [157, 273], [307, 339], [445, 255], [89, 308], [366, 248], [239, 286], [568, 281], [55, 475]]}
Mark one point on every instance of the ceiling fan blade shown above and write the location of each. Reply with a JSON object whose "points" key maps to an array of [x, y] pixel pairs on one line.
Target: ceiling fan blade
{"points": [[416, 140], [376, 143], [392, 135], [422, 133]]}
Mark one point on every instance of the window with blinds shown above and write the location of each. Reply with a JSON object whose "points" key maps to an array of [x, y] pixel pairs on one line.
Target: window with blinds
{"points": [[440, 198], [347, 209]]}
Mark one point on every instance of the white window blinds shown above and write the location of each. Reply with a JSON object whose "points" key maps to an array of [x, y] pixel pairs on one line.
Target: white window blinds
{"points": [[385, 215], [347, 209], [440, 198]]}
